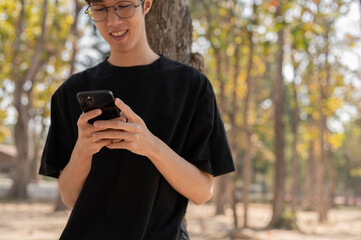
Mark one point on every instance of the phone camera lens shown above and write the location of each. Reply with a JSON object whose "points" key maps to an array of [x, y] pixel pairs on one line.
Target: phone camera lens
{"points": [[89, 100]]}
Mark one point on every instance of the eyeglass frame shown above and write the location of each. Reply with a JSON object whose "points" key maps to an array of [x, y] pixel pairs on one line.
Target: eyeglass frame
{"points": [[114, 8]]}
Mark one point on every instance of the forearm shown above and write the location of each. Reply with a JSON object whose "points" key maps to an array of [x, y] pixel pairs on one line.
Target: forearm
{"points": [[72, 178], [183, 176]]}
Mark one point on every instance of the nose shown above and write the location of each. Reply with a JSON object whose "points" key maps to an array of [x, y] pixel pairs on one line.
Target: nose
{"points": [[113, 18]]}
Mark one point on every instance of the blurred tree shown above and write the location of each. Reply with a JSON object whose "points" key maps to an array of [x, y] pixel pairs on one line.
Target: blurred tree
{"points": [[35, 49], [247, 161], [22, 92], [278, 199], [305, 57]]}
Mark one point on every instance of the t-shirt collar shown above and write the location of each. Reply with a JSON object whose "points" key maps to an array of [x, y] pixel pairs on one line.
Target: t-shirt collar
{"points": [[138, 68]]}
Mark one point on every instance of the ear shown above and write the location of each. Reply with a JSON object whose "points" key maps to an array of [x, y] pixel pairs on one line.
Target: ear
{"points": [[147, 6]]}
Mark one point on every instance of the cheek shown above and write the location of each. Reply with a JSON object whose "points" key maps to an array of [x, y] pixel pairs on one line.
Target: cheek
{"points": [[138, 27], [102, 30]]}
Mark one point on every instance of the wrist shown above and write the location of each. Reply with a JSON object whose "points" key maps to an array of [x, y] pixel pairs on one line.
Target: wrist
{"points": [[157, 149], [81, 153]]}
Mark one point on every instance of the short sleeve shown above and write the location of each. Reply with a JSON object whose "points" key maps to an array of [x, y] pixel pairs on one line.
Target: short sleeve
{"points": [[206, 145], [60, 140]]}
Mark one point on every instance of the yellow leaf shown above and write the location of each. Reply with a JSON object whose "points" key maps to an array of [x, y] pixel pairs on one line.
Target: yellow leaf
{"points": [[356, 172], [238, 40], [333, 104], [316, 115], [222, 12], [336, 140]]}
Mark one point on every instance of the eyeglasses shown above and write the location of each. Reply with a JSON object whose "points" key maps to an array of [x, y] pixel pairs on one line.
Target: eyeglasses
{"points": [[123, 9]]}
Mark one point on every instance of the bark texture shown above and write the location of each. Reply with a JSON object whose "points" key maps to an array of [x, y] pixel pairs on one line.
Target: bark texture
{"points": [[310, 178], [324, 92], [247, 160], [278, 198], [224, 185], [169, 30], [294, 161], [234, 131]]}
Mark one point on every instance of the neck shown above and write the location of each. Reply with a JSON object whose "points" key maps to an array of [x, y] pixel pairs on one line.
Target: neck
{"points": [[143, 56]]}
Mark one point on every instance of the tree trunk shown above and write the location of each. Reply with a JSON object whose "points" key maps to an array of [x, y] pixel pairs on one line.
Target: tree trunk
{"points": [[22, 170], [234, 133], [169, 31], [278, 199], [310, 177], [221, 95], [247, 161], [35, 156], [224, 187], [294, 162], [332, 184], [321, 173], [58, 204], [322, 206], [75, 35], [223, 190]]}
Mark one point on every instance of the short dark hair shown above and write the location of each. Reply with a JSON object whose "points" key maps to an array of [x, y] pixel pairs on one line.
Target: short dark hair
{"points": [[92, 1], [96, 1]]}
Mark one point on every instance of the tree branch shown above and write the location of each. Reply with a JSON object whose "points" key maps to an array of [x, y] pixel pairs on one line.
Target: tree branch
{"points": [[36, 59]]}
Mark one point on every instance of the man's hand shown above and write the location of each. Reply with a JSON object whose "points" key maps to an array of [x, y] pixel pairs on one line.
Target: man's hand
{"points": [[72, 178], [132, 135], [87, 144]]}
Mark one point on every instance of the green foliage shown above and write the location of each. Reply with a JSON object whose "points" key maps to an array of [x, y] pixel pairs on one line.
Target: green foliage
{"points": [[54, 58]]}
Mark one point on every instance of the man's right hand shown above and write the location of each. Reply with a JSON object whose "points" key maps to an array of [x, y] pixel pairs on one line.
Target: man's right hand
{"points": [[87, 145], [72, 178]]}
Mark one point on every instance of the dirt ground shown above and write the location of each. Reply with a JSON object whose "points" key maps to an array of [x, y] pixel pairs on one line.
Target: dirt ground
{"points": [[37, 221]]}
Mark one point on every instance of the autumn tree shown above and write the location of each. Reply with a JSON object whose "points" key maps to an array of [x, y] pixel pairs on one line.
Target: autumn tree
{"points": [[34, 48]]}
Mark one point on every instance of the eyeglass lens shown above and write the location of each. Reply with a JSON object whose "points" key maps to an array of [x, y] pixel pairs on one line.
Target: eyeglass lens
{"points": [[123, 9]]}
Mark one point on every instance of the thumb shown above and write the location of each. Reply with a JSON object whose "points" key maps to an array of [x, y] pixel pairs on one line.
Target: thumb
{"points": [[130, 115]]}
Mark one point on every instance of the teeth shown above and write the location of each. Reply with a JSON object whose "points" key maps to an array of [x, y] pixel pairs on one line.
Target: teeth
{"points": [[117, 34]]}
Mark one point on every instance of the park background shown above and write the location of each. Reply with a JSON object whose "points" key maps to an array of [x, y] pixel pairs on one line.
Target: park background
{"points": [[287, 79]]}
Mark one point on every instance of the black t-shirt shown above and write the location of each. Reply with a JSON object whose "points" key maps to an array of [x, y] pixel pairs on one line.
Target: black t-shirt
{"points": [[124, 195]]}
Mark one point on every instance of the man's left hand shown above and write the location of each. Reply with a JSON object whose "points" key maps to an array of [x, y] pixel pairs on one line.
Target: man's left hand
{"points": [[132, 135]]}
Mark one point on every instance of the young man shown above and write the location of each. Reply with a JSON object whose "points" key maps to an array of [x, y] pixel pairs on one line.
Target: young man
{"points": [[131, 177]]}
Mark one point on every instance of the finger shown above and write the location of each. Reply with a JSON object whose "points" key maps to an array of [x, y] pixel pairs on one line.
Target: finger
{"points": [[126, 110], [115, 124], [86, 129], [102, 143], [113, 135], [85, 117], [123, 119], [118, 145]]}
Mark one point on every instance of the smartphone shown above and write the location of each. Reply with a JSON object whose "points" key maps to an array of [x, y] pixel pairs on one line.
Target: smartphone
{"points": [[98, 99]]}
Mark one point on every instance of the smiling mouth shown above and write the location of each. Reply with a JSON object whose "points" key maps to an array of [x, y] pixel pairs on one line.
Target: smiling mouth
{"points": [[118, 34]]}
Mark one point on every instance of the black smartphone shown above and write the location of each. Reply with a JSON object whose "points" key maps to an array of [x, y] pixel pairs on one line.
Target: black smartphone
{"points": [[98, 99]]}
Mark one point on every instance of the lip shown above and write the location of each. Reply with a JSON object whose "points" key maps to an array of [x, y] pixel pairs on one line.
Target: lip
{"points": [[119, 38]]}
